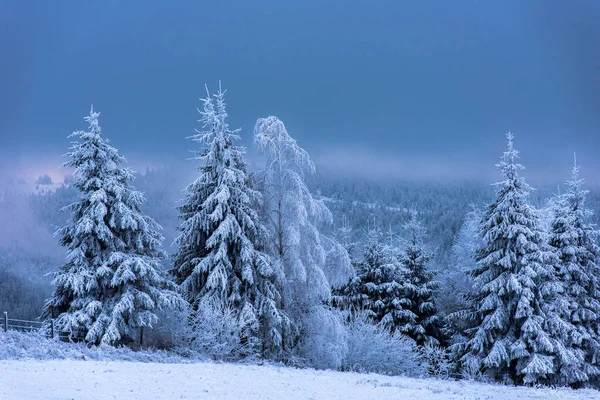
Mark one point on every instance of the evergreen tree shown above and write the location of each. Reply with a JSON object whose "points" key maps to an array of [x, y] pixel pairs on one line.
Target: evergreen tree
{"points": [[422, 323], [509, 341], [310, 261], [219, 262], [346, 297], [112, 283], [573, 241], [344, 237], [376, 290]]}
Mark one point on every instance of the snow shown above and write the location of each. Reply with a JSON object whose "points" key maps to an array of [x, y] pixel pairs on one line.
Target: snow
{"points": [[78, 379], [311, 262], [112, 283], [220, 263]]}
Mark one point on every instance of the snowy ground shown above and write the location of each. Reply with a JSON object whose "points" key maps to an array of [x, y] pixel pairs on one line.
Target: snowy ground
{"points": [[69, 379]]}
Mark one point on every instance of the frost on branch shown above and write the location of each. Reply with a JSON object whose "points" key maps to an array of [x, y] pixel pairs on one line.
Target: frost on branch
{"points": [[308, 261], [112, 283], [508, 341], [220, 258]]}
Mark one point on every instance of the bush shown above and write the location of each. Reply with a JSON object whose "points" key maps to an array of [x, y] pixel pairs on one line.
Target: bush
{"points": [[170, 331], [471, 371], [215, 333], [323, 340], [373, 349], [437, 360]]}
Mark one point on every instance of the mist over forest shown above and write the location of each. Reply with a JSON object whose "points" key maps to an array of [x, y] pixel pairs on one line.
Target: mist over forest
{"points": [[31, 212]]}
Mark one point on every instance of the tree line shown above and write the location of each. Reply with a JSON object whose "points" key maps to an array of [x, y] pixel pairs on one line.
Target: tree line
{"points": [[256, 271]]}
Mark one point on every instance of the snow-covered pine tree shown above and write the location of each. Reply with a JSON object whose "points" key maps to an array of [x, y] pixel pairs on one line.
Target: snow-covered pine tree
{"points": [[310, 261], [344, 236], [509, 342], [345, 297], [573, 241], [219, 261], [112, 283], [569, 358], [376, 290], [423, 325]]}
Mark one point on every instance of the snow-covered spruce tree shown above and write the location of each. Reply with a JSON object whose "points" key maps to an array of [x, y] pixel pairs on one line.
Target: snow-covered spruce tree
{"points": [[422, 323], [573, 242], [376, 291], [344, 237], [112, 283], [569, 358], [219, 262], [310, 261], [346, 297], [508, 342]]}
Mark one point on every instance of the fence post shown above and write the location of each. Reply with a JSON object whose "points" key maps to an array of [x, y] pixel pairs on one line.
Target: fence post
{"points": [[52, 328], [5, 321]]}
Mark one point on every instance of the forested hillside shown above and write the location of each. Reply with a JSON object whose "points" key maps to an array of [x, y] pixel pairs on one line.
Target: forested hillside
{"points": [[28, 249]]}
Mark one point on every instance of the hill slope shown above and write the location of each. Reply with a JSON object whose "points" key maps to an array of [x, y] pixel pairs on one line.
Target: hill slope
{"points": [[69, 379]]}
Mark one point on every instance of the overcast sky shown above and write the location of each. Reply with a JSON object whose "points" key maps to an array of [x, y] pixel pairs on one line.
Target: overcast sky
{"points": [[378, 88]]}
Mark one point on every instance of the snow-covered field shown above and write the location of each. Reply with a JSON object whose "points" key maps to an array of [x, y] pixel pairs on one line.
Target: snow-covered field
{"points": [[70, 379]]}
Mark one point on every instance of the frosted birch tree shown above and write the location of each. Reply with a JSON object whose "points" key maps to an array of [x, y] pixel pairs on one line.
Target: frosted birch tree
{"points": [[112, 283], [456, 284], [309, 261]]}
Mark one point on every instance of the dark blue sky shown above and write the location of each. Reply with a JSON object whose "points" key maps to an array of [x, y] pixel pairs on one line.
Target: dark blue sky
{"points": [[404, 87]]}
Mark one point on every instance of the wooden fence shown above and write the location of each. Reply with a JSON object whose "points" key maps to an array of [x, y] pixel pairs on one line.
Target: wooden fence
{"points": [[46, 327]]}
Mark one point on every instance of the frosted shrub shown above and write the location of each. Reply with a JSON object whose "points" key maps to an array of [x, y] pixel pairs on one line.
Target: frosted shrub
{"points": [[323, 343], [171, 330], [373, 349], [216, 332], [471, 371], [436, 359]]}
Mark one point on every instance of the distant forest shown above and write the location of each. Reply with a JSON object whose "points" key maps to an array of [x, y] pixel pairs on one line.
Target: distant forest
{"points": [[29, 251]]}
